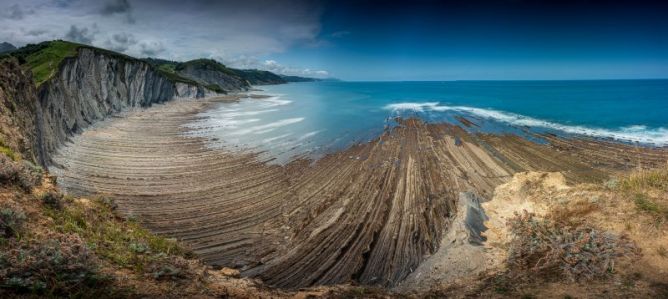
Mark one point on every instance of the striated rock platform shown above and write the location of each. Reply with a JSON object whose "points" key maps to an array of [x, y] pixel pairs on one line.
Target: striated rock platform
{"points": [[371, 214]]}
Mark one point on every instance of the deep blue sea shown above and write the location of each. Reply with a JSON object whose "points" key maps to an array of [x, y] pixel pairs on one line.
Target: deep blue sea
{"points": [[315, 117]]}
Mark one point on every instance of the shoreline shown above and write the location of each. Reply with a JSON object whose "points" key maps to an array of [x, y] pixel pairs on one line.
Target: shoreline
{"points": [[313, 222]]}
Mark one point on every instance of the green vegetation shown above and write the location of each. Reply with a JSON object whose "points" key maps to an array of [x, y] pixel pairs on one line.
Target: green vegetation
{"points": [[20, 173], [207, 64], [551, 249], [124, 243], [4, 149], [11, 221], [215, 87], [44, 59], [648, 190], [168, 69], [645, 204], [259, 77], [8, 152], [642, 180], [53, 245], [58, 265]]}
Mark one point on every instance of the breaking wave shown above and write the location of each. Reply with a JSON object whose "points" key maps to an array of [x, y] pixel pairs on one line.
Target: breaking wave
{"points": [[636, 133]]}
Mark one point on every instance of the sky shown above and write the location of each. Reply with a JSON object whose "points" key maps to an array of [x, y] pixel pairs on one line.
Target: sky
{"points": [[368, 40]]}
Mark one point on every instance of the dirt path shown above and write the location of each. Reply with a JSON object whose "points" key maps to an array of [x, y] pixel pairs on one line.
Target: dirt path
{"points": [[371, 213]]}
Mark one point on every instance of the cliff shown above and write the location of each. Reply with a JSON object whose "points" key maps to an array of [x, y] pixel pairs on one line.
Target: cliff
{"points": [[212, 74], [79, 85], [17, 110]]}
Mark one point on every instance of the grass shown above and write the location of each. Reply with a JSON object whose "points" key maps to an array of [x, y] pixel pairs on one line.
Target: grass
{"points": [[648, 189], [45, 62], [642, 180], [4, 149], [645, 204], [124, 243], [9, 153]]}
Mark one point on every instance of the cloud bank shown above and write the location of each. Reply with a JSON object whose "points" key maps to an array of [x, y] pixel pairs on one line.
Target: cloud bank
{"points": [[238, 33]]}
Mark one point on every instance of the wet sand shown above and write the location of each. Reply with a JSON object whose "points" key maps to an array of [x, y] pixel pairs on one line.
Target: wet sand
{"points": [[370, 213]]}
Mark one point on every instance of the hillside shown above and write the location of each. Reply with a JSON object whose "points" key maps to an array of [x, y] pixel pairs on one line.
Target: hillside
{"points": [[6, 47], [213, 72]]}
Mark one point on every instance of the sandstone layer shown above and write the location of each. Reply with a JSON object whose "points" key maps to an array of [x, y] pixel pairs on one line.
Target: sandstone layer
{"points": [[370, 214]]}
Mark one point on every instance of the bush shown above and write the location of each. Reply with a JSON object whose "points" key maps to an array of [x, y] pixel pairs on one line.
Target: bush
{"points": [[11, 220], [170, 268], [23, 173], [59, 265], [53, 199], [549, 248]]}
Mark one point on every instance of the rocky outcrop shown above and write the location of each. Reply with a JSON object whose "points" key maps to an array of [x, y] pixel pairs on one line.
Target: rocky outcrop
{"points": [[94, 85], [17, 109], [86, 88]]}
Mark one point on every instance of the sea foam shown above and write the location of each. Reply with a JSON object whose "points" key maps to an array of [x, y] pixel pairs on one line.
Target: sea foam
{"points": [[636, 133]]}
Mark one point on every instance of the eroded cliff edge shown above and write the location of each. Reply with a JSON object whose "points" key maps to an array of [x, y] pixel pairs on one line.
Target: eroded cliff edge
{"points": [[92, 86], [83, 89]]}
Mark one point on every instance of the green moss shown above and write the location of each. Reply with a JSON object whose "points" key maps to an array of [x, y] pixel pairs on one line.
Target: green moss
{"points": [[9, 153]]}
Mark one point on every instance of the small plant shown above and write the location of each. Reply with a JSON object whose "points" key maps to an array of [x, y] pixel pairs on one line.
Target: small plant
{"points": [[552, 249], [662, 252], [170, 268], [52, 199], [139, 247], [22, 172], [645, 204], [60, 265], [11, 220]]}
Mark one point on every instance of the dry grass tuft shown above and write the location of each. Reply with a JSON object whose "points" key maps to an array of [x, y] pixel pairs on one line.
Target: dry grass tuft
{"points": [[642, 180]]}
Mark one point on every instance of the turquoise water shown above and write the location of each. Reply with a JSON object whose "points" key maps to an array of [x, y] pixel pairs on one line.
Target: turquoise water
{"points": [[315, 117]]}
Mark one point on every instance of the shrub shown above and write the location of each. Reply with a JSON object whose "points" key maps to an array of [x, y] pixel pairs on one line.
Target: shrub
{"points": [[23, 173], [125, 244], [170, 268], [61, 264], [11, 220], [53, 199], [550, 248]]}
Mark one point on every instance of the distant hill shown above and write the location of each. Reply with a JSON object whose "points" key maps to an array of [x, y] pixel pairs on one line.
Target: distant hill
{"points": [[6, 47], [212, 72], [299, 79]]}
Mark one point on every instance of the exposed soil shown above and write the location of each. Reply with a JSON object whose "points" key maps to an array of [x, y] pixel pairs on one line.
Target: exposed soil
{"points": [[369, 214]]}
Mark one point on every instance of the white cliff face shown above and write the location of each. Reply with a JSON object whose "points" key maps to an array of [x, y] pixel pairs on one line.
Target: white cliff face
{"points": [[94, 85]]}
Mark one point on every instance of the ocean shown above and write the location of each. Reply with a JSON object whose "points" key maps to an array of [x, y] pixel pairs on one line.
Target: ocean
{"points": [[313, 118]]}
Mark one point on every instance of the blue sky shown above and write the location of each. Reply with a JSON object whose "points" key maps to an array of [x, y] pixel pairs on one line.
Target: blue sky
{"points": [[491, 40], [368, 40]]}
